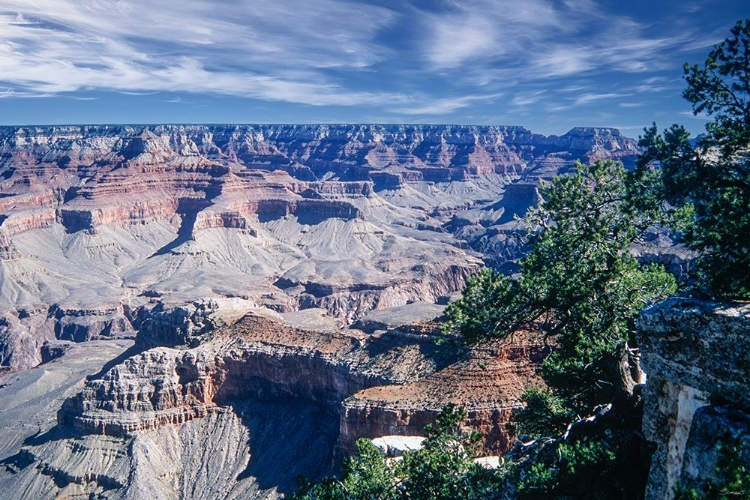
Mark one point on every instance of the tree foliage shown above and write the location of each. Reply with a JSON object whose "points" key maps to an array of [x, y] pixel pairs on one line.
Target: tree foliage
{"points": [[544, 413], [707, 182], [443, 469], [721, 88], [579, 284], [732, 473], [571, 472]]}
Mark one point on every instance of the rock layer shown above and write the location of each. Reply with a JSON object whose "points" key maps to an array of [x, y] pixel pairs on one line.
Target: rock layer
{"points": [[488, 385], [169, 234], [145, 422], [384, 384]]}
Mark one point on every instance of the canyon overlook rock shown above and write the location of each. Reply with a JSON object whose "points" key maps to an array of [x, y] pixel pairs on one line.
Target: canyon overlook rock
{"points": [[167, 290], [106, 231], [697, 356]]}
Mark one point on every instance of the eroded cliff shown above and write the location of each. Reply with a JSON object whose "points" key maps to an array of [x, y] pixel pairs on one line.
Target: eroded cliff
{"points": [[697, 356], [206, 422]]}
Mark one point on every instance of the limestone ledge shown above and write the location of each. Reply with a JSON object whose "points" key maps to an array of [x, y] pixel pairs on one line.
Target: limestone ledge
{"points": [[128, 423], [696, 355]]}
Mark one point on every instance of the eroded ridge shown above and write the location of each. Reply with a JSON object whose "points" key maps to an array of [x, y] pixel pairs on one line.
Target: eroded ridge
{"points": [[391, 382], [104, 228]]}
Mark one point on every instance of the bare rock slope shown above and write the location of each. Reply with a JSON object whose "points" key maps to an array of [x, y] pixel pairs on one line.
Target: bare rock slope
{"points": [[237, 257]]}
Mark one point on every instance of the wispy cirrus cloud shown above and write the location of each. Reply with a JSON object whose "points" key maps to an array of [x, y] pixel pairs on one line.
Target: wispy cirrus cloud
{"points": [[427, 106], [542, 39], [268, 50], [540, 61], [468, 32], [584, 54], [522, 99], [587, 98]]}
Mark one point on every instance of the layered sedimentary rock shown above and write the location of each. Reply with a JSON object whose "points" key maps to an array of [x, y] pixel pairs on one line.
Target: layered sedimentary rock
{"points": [[394, 382], [487, 385], [167, 235], [39, 459], [163, 419], [696, 355], [106, 231]]}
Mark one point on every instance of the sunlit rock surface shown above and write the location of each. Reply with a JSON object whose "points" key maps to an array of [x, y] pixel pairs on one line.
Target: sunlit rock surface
{"points": [[242, 414], [221, 308]]}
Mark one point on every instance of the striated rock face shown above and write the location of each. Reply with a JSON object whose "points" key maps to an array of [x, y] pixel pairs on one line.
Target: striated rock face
{"points": [[158, 239], [205, 422], [257, 358], [488, 385], [696, 355], [390, 383], [106, 231], [384, 384]]}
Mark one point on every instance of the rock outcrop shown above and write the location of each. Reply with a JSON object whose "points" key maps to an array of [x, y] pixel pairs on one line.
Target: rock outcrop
{"points": [[696, 355], [394, 382], [158, 239], [145, 422], [488, 384], [257, 358]]}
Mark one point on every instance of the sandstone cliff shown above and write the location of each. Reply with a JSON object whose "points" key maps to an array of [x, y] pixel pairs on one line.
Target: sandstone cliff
{"points": [[205, 422], [169, 234]]}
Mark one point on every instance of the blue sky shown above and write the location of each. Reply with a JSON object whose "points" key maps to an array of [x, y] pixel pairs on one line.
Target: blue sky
{"points": [[548, 65]]}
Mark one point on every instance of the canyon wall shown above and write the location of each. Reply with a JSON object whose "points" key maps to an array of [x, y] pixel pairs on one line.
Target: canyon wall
{"points": [[696, 355], [200, 248], [206, 422], [170, 230], [229, 278]]}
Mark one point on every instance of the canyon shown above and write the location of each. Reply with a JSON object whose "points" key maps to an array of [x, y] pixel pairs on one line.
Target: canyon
{"points": [[107, 228], [165, 287]]}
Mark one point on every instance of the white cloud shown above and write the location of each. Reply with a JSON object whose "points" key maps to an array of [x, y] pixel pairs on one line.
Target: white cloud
{"points": [[690, 114], [269, 50], [411, 59], [455, 42], [562, 61], [587, 98], [444, 106], [483, 30], [558, 108], [527, 98], [508, 41]]}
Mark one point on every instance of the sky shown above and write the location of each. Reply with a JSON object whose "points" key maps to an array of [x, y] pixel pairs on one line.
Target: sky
{"points": [[547, 65]]}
